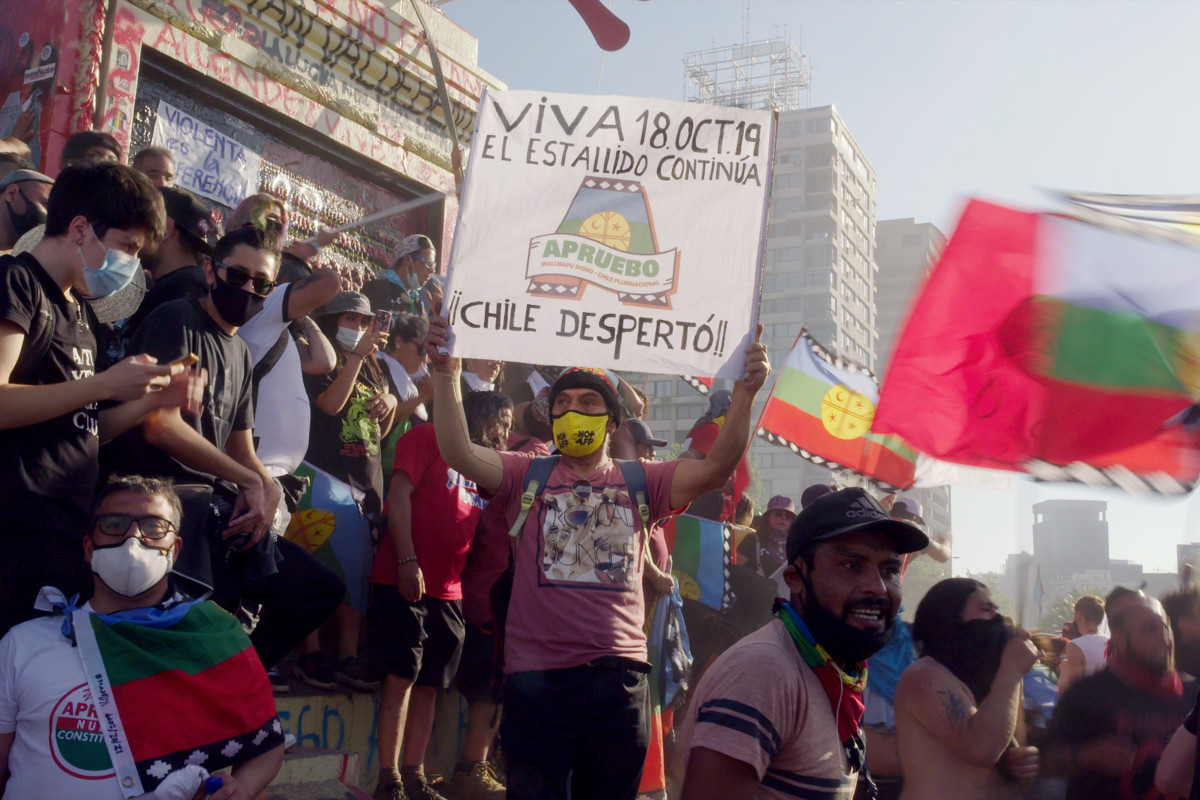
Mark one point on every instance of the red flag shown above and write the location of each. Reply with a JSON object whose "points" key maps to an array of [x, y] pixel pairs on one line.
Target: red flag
{"points": [[1041, 341]]}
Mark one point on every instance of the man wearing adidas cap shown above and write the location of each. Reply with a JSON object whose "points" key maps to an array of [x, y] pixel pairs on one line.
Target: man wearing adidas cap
{"points": [[779, 714], [576, 721]]}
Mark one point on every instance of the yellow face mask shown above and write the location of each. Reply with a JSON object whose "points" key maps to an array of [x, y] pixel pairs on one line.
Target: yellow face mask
{"points": [[719, 420], [577, 434]]}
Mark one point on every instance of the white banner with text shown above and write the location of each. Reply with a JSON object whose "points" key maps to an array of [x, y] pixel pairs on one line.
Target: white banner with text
{"points": [[614, 232]]}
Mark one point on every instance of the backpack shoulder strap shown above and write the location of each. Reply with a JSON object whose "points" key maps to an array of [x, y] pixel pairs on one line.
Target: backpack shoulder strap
{"points": [[269, 360], [535, 481], [635, 482]]}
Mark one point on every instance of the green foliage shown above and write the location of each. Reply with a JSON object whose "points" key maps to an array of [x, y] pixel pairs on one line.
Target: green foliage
{"points": [[923, 572], [1062, 610]]}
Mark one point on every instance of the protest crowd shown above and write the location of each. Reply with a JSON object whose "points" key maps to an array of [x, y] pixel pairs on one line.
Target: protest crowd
{"points": [[225, 466]]}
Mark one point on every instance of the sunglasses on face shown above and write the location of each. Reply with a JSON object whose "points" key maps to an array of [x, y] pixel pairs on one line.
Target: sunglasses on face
{"points": [[239, 278], [152, 528], [426, 260]]}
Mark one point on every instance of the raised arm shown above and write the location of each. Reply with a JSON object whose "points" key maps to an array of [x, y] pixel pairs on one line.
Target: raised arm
{"points": [[311, 292], [694, 477], [933, 699], [475, 463]]}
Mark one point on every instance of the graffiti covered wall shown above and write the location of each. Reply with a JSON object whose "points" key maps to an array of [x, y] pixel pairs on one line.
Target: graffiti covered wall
{"points": [[309, 86]]}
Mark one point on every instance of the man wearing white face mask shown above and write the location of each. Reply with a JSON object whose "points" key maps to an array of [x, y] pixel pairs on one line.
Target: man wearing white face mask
{"points": [[51, 420], [60, 671]]}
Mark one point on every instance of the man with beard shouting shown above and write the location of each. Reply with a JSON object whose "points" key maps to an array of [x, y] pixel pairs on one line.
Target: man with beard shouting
{"points": [[958, 707], [778, 715]]}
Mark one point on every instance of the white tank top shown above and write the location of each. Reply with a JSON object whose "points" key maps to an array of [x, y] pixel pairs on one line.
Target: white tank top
{"points": [[1092, 645]]}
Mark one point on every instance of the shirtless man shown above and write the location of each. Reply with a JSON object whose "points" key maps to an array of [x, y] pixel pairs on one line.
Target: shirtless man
{"points": [[958, 707]]}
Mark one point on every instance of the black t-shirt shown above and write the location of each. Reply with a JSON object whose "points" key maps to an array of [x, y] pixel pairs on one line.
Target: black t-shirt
{"points": [[347, 444], [48, 471], [168, 333], [1101, 705], [175, 285]]}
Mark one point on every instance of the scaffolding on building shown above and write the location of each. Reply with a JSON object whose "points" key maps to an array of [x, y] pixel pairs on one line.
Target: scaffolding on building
{"points": [[771, 74]]}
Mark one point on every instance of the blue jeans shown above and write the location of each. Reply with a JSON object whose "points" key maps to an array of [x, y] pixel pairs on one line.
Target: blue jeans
{"points": [[578, 733]]}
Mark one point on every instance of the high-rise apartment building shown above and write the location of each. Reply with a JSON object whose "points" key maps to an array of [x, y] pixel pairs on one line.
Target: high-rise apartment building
{"points": [[905, 251], [821, 269]]}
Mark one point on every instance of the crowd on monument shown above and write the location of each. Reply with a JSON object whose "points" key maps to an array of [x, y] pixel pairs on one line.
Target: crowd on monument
{"points": [[224, 465]]}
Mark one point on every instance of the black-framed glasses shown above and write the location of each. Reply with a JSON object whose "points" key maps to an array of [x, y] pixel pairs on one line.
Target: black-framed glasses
{"points": [[238, 277], [152, 528]]}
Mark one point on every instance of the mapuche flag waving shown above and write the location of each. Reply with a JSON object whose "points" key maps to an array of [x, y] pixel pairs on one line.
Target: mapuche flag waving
{"points": [[1046, 344], [822, 408]]}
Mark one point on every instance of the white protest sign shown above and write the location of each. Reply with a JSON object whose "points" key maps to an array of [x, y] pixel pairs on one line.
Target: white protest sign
{"points": [[207, 162], [611, 232]]}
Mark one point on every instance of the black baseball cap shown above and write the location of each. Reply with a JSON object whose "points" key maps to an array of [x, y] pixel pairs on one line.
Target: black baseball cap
{"points": [[847, 511], [190, 216], [642, 433]]}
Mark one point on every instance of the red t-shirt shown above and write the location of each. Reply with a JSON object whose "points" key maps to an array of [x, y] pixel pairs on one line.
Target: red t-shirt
{"points": [[577, 592], [489, 552], [445, 511]]}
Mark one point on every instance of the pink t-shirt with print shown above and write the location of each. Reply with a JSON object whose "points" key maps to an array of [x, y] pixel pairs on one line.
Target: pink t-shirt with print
{"points": [[577, 591]]}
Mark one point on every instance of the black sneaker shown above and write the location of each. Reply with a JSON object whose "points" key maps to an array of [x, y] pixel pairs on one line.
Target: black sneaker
{"points": [[389, 791], [313, 669], [353, 672], [421, 789]]}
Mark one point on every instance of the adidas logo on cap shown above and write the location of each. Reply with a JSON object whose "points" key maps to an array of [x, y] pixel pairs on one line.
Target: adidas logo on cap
{"points": [[863, 507]]}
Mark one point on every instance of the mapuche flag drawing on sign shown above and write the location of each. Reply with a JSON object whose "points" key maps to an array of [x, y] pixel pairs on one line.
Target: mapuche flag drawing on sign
{"points": [[173, 687], [1046, 344], [822, 408]]}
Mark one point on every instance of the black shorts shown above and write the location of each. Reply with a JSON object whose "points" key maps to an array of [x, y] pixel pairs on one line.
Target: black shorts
{"points": [[420, 642], [478, 666]]}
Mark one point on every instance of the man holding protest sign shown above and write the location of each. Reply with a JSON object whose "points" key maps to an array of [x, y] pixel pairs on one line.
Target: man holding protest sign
{"points": [[576, 718]]}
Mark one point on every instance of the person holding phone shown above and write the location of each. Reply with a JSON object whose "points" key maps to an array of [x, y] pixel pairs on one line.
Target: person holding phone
{"points": [[353, 410]]}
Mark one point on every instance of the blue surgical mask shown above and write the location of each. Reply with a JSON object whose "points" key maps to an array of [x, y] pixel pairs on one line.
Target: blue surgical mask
{"points": [[112, 276], [413, 283], [349, 338]]}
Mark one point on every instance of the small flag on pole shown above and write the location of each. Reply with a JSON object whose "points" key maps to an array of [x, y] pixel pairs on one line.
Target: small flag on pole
{"points": [[822, 409]]}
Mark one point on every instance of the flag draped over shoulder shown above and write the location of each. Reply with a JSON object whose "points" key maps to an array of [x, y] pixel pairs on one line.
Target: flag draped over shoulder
{"points": [[173, 687], [700, 559], [1050, 345], [822, 408]]}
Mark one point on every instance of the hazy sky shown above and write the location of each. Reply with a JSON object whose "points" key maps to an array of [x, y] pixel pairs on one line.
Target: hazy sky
{"points": [[947, 100]]}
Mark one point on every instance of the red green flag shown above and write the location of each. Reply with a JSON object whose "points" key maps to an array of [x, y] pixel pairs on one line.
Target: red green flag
{"points": [[823, 409], [173, 687], [1055, 346]]}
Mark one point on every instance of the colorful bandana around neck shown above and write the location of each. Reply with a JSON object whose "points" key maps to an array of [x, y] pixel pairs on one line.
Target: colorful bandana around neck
{"points": [[844, 688]]}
